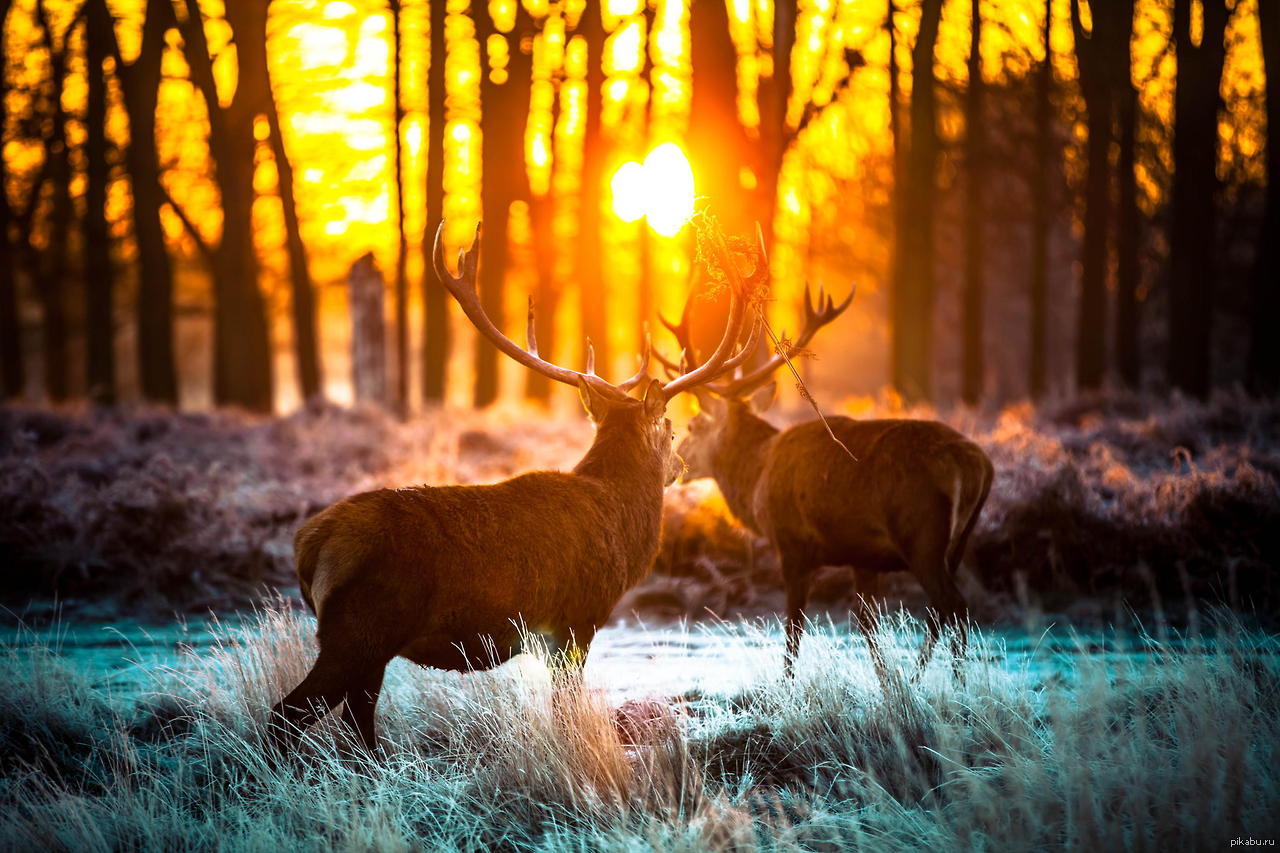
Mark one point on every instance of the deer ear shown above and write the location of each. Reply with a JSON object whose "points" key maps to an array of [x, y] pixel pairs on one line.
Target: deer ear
{"points": [[761, 400], [591, 400], [655, 402], [709, 403]]}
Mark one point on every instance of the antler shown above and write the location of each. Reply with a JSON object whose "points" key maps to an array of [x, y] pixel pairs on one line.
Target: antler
{"points": [[688, 373], [814, 319], [463, 288]]}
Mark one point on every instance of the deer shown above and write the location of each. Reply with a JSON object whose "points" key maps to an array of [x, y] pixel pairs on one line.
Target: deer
{"points": [[901, 495], [459, 577]]}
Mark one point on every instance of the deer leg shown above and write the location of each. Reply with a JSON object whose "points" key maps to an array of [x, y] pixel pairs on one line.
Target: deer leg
{"points": [[947, 609], [867, 613], [947, 606], [315, 697], [796, 579], [358, 706]]}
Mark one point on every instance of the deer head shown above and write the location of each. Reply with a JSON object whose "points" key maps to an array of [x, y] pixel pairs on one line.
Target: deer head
{"points": [[611, 407], [745, 397]]}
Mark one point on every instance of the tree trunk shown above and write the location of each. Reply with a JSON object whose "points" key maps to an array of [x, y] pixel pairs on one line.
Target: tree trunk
{"points": [[546, 297], [591, 215], [975, 144], [242, 346], [717, 143], [1195, 185], [1128, 234], [402, 243], [140, 85], [505, 103], [1091, 342], [896, 377], [99, 279], [775, 134], [12, 371], [1264, 349], [435, 320], [52, 274], [913, 305], [1038, 378]]}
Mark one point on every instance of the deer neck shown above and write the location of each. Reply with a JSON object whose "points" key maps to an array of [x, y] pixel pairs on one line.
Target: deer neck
{"points": [[739, 460], [621, 456]]}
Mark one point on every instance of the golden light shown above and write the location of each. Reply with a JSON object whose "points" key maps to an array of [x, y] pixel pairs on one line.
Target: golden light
{"points": [[669, 186], [660, 189], [629, 195]]}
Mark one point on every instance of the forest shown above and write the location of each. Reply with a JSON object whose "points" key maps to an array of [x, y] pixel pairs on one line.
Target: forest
{"points": [[1016, 256]]}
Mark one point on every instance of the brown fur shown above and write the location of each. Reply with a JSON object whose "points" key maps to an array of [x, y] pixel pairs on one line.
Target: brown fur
{"points": [[447, 576], [909, 503]]}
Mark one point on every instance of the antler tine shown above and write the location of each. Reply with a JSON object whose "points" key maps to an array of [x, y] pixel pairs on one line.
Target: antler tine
{"points": [[463, 289], [591, 358], [813, 321], [645, 352], [530, 333], [738, 292]]}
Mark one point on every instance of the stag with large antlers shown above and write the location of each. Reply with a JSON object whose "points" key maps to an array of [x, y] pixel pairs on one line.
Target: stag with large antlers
{"points": [[904, 497], [453, 576]]}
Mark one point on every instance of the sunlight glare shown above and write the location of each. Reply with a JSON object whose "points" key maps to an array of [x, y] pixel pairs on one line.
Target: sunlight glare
{"points": [[660, 189], [669, 188]]}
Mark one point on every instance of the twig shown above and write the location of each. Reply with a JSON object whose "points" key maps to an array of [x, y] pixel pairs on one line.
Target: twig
{"points": [[715, 240]]}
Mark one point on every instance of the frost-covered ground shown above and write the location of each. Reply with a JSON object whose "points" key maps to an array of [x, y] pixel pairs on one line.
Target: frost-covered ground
{"points": [[680, 741]]}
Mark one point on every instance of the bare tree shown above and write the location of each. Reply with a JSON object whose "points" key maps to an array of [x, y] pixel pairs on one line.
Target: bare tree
{"points": [[140, 86], [12, 372], [1264, 351], [912, 326], [975, 167], [1041, 215], [99, 277], [1129, 225], [590, 218], [53, 265], [242, 349], [1091, 57], [402, 244], [435, 321], [1194, 195], [504, 96]]}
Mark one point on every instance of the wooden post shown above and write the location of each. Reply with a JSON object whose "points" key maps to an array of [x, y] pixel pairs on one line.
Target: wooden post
{"points": [[366, 291]]}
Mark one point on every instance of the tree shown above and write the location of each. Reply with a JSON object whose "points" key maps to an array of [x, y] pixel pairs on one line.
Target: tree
{"points": [[717, 141], [1194, 193], [53, 266], [504, 97], [1129, 225], [99, 278], [1264, 350], [975, 144], [591, 215], [1041, 217], [301, 288], [1091, 58], [242, 349], [402, 243], [912, 309], [12, 373], [435, 320], [140, 87]]}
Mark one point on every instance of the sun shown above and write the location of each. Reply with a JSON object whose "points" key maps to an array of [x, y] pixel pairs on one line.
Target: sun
{"points": [[660, 189]]}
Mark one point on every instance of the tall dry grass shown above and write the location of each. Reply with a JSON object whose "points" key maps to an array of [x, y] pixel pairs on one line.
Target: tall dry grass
{"points": [[1177, 748]]}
